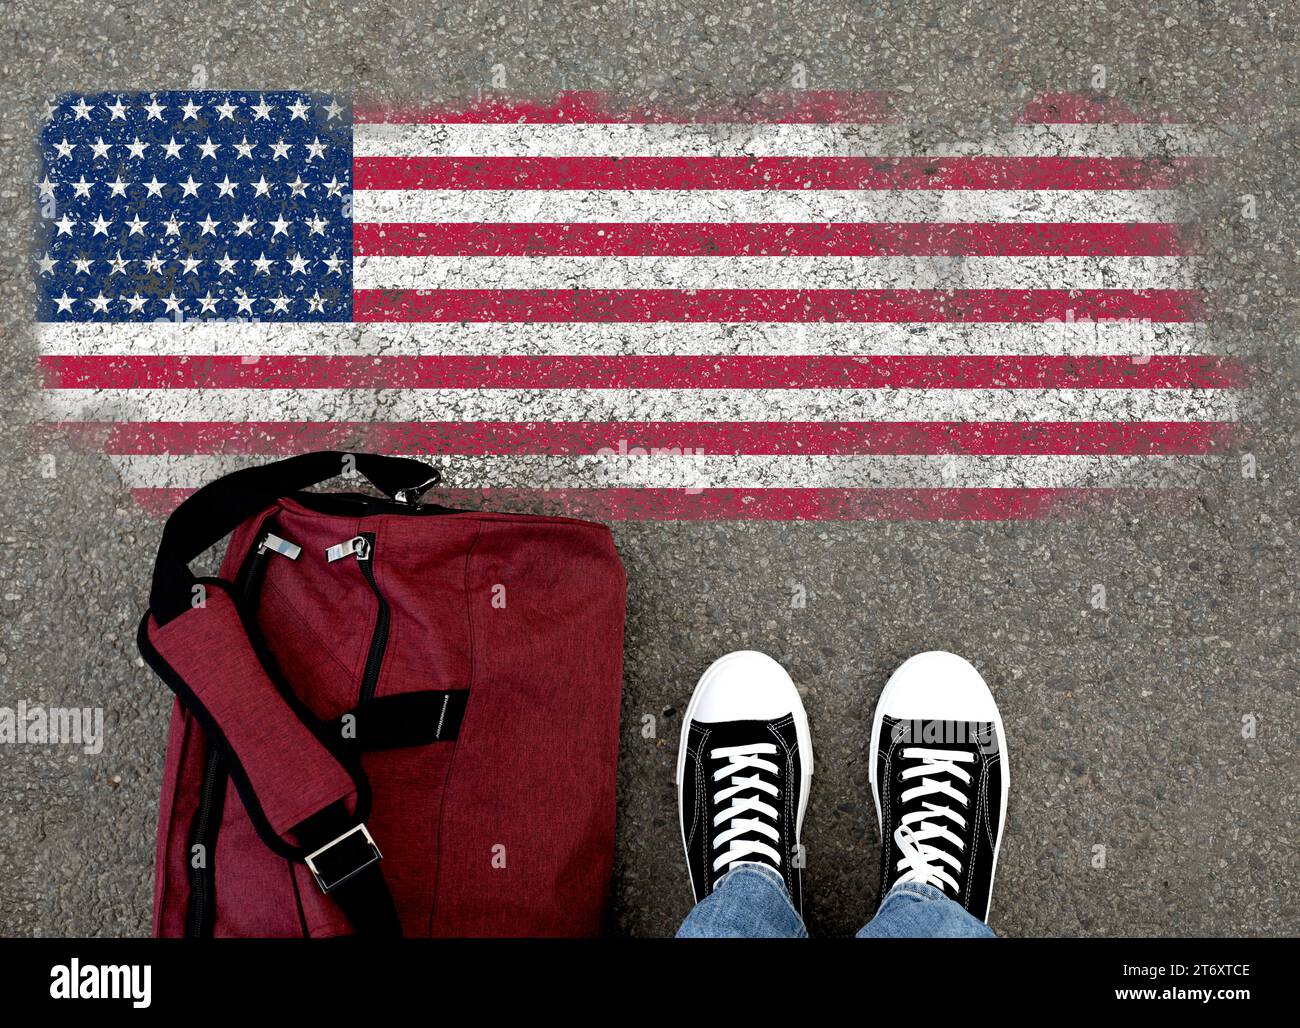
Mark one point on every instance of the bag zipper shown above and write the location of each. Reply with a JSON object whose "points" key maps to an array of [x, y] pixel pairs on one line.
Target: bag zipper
{"points": [[251, 573], [362, 547], [250, 576], [213, 773], [379, 640]]}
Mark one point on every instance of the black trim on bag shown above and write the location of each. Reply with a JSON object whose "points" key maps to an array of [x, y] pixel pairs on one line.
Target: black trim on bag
{"points": [[216, 738], [360, 505]]}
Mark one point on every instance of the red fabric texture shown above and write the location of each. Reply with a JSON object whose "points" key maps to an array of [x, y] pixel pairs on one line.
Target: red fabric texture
{"points": [[507, 830]]}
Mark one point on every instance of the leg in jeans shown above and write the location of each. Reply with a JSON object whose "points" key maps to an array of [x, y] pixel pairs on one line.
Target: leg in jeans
{"points": [[749, 902], [916, 911]]}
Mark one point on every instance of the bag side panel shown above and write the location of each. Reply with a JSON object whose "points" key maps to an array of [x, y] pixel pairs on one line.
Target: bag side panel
{"points": [[527, 825], [408, 798]]}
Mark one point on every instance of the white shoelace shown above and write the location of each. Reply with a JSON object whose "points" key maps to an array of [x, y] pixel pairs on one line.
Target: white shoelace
{"points": [[925, 862], [738, 759]]}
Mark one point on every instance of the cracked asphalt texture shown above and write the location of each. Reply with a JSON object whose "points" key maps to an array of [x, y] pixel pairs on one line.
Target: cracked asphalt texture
{"points": [[1125, 724]]}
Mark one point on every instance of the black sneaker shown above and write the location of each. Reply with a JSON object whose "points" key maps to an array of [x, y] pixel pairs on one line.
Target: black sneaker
{"points": [[939, 777], [743, 770]]}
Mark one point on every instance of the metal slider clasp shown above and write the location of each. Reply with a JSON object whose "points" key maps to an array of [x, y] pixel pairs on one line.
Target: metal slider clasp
{"points": [[358, 544], [275, 544]]}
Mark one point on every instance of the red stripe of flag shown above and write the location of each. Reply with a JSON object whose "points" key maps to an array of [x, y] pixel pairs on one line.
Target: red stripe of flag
{"points": [[747, 173], [777, 305], [223, 371], [486, 438], [615, 239]]}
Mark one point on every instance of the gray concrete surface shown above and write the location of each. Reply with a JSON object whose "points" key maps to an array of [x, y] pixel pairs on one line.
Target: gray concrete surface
{"points": [[1126, 725]]}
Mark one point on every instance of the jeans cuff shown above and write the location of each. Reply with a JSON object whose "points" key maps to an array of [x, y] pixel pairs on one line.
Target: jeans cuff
{"points": [[755, 868], [929, 892]]}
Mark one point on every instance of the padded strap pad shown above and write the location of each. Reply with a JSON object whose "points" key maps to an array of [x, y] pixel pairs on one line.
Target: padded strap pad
{"points": [[278, 760]]}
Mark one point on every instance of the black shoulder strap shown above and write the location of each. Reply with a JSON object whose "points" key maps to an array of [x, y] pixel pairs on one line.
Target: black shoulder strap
{"points": [[217, 509]]}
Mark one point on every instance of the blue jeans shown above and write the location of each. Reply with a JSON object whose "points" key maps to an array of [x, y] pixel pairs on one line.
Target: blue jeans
{"points": [[750, 902]]}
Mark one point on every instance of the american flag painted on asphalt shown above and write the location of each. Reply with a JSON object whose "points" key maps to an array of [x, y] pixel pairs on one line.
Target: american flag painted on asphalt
{"points": [[788, 310]]}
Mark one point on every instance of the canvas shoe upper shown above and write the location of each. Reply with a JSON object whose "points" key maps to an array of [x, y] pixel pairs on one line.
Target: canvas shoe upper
{"points": [[744, 767], [939, 778]]}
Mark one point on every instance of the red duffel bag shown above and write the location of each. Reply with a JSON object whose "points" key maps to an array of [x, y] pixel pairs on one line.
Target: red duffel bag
{"points": [[391, 718]]}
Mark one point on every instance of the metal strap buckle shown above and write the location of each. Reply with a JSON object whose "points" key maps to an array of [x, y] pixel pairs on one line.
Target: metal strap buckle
{"points": [[333, 877]]}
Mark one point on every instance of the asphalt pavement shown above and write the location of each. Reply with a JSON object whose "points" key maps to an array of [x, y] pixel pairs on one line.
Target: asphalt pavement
{"points": [[1155, 778]]}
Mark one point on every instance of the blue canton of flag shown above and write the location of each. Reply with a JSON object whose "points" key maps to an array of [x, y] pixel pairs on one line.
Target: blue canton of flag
{"points": [[196, 205]]}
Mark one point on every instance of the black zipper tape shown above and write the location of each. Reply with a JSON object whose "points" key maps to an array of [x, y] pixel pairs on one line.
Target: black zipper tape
{"points": [[383, 618]]}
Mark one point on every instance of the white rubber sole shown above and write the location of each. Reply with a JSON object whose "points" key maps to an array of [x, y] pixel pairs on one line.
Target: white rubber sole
{"points": [[802, 734], [891, 687]]}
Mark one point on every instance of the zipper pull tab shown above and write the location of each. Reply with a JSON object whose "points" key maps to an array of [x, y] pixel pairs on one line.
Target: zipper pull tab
{"points": [[275, 544], [358, 545]]}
